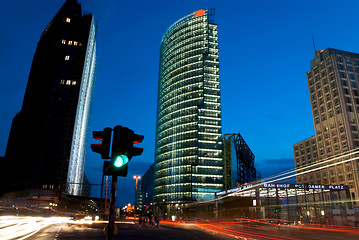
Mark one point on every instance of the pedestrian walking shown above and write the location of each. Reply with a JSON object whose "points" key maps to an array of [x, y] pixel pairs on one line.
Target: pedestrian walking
{"points": [[156, 222]]}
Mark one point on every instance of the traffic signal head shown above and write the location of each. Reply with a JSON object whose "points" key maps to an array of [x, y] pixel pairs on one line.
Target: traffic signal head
{"points": [[135, 138], [103, 148], [123, 150], [119, 154]]}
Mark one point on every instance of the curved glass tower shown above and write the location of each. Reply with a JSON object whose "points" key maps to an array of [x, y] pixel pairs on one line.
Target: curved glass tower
{"points": [[188, 160]]}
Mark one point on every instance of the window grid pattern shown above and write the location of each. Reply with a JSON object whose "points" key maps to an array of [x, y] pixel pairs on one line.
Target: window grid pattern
{"points": [[333, 87], [188, 157]]}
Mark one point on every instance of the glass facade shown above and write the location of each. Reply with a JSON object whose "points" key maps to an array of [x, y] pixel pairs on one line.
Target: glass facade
{"points": [[188, 155], [78, 147]]}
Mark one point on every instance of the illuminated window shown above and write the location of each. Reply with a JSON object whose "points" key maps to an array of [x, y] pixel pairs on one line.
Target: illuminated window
{"points": [[68, 20], [70, 42], [68, 82], [67, 58], [63, 41], [75, 43], [73, 82], [62, 81]]}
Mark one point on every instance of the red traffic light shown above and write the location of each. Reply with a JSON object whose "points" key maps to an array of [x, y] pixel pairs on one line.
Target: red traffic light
{"points": [[135, 151], [103, 148]]}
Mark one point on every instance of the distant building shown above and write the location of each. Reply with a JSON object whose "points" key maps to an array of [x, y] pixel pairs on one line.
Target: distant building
{"points": [[188, 160], [46, 146], [238, 161], [331, 156], [147, 187], [86, 187], [139, 196]]}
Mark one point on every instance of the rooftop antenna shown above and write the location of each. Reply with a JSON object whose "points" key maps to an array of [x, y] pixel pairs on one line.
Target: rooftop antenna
{"points": [[315, 49]]}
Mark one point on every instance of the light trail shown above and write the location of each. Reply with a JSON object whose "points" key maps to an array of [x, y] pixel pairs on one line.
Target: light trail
{"points": [[292, 173], [207, 228], [231, 228], [24, 227], [239, 233], [312, 226], [346, 154], [318, 168]]}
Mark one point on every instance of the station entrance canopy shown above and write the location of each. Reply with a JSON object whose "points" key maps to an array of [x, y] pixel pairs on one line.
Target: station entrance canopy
{"points": [[283, 189], [311, 203]]}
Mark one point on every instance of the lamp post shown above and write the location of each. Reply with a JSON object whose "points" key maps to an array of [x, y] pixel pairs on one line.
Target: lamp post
{"points": [[137, 178]]}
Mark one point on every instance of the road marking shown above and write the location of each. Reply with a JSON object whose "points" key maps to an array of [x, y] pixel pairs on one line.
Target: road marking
{"points": [[58, 232]]}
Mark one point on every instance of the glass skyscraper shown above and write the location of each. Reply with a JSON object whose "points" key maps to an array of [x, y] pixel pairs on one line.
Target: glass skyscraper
{"points": [[188, 155]]}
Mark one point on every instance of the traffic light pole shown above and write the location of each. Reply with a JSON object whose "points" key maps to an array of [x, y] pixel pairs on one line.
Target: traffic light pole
{"points": [[116, 145], [111, 220]]}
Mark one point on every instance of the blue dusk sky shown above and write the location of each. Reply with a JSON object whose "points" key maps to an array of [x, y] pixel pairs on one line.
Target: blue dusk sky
{"points": [[265, 51]]}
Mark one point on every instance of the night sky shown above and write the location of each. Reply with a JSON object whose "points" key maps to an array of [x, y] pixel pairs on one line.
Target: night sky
{"points": [[265, 50]]}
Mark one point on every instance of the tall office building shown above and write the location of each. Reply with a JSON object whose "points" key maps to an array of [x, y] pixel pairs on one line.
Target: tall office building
{"points": [[330, 157], [46, 146], [188, 158]]}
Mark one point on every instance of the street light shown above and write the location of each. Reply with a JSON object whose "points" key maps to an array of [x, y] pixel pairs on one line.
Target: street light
{"points": [[137, 178]]}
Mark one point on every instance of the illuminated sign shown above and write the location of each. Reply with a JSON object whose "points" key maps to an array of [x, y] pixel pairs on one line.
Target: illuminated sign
{"points": [[199, 13], [270, 185], [286, 185], [309, 186], [235, 189], [338, 187]]}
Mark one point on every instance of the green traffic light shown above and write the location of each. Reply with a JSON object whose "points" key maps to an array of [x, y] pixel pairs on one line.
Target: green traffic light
{"points": [[120, 161]]}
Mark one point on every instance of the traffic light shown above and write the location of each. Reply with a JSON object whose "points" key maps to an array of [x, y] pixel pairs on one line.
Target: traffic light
{"points": [[104, 147], [123, 150], [135, 138], [119, 158]]}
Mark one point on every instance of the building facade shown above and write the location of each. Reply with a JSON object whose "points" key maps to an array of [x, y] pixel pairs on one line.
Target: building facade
{"points": [[312, 203], [46, 144], [188, 158], [147, 187], [238, 161], [331, 156]]}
